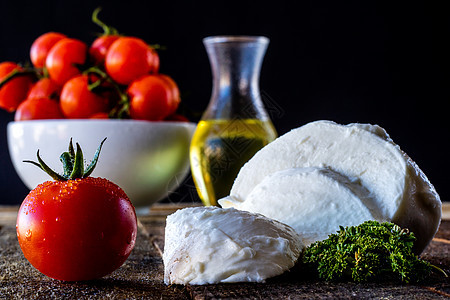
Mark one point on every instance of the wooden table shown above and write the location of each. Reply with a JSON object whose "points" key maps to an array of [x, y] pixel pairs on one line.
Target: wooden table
{"points": [[141, 277]]}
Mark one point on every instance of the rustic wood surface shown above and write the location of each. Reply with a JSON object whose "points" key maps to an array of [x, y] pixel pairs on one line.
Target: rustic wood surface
{"points": [[141, 277]]}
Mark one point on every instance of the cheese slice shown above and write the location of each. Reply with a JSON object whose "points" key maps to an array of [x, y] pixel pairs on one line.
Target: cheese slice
{"points": [[205, 245], [314, 201], [399, 191]]}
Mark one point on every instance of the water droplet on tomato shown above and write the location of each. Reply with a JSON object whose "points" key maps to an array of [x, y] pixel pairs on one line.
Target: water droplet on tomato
{"points": [[131, 239], [57, 219], [28, 234]]}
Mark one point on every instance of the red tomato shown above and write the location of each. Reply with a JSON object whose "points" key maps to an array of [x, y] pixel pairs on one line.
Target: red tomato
{"points": [[100, 46], [175, 91], [129, 58], [153, 97], [100, 115], [154, 65], [78, 102], [44, 88], [38, 108], [13, 92], [77, 229], [63, 58], [42, 45]]}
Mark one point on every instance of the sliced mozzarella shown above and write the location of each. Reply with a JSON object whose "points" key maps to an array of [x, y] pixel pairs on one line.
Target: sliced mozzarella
{"points": [[399, 191], [205, 245], [313, 201]]}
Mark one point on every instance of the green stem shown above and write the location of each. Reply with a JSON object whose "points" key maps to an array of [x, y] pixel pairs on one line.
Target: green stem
{"points": [[16, 73], [91, 167], [78, 164], [45, 168], [107, 30], [158, 47], [103, 77], [67, 161], [439, 270], [92, 86], [73, 163], [121, 110]]}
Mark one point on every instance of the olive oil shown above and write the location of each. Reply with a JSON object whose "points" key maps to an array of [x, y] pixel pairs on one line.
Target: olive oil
{"points": [[219, 149], [235, 124]]}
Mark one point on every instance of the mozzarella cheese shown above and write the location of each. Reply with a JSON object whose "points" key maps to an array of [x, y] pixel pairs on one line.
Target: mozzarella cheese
{"points": [[313, 201], [205, 245], [396, 189]]}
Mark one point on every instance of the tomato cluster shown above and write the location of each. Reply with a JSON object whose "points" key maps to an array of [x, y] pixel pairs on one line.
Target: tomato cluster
{"points": [[115, 77]]}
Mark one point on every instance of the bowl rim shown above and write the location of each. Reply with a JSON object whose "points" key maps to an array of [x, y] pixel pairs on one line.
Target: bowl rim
{"points": [[103, 121]]}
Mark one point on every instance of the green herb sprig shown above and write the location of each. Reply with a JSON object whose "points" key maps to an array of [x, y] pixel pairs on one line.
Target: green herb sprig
{"points": [[367, 252]]}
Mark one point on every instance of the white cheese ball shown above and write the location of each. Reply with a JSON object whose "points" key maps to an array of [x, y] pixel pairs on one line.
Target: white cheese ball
{"points": [[398, 190], [206, 245]]}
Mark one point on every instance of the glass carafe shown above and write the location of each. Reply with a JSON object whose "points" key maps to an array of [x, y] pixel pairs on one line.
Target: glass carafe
{"points": [[235, 124]]}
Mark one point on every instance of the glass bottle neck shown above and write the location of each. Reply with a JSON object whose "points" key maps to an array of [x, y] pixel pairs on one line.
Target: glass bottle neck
{"points": [[236, 65]]}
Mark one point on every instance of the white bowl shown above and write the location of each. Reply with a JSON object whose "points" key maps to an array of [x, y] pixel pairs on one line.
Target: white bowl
{"points": [[147, 160]]}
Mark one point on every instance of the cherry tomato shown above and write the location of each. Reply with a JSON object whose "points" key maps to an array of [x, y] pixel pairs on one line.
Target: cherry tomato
{"points": [[42, 45], [154, 65], [64, 59], [153, 97], [38, 108], [175, 91], [76, 229], [14, 91], [129, 58], [100, 115], [44, 88], [100, 46], [77, 101]]}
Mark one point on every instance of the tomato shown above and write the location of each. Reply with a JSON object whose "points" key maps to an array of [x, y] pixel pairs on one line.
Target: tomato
{"points": [[77, 101], [14, 91], [42, 45], [154, 64], [44, 88], [76, 229], [100, 46], [38, 108], [174, 89], [153, 97], [100, 115], [65, 58], [129, 58]]}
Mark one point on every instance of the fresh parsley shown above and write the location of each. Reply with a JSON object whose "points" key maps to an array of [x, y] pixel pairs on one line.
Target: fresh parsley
{"points": [[370, 251]]}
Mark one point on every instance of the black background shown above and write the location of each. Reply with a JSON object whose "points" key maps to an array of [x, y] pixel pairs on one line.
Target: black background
{"points": [[349, 61]]}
